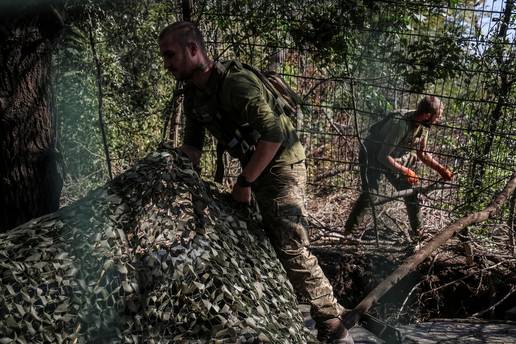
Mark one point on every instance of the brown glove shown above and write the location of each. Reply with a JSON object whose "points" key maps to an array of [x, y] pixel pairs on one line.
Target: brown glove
{"points": [[411, 176], [445, 173]]}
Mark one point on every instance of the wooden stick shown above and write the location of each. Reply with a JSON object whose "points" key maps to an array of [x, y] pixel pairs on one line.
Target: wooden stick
{"points": [[351, 318], [409, 192]]}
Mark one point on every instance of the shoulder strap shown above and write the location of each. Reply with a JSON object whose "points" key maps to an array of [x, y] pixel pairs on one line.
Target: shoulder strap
{"points": [[286, 98], [282, 93], [240, 135]]}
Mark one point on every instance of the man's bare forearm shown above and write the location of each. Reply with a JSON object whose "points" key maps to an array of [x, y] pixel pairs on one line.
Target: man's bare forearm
{"points": [[395, 165], [428, 160], [262, 156], [410, 175]]}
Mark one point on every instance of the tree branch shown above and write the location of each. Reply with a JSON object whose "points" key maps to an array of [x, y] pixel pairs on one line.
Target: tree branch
{"points": [[100, 96], [411, 263]]}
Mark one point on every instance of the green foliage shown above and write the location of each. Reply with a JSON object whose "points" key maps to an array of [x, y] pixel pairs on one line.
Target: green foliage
{"points": [[423, 62], [490, 145], [133, 85], [347, 57], [78, 132]]}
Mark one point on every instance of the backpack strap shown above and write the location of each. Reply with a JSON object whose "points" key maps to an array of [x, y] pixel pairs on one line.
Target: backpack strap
{"points": [[240, 137], [287, 99], [219, 170]]}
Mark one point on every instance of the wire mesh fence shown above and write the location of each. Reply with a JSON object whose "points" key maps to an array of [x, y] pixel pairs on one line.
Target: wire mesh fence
{"points": [[354, 65]]}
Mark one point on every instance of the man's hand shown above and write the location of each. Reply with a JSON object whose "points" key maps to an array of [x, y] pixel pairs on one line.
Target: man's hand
{"points": [[241, 194], [262, 156], [445, 173], [411, 176], [193, 153]]}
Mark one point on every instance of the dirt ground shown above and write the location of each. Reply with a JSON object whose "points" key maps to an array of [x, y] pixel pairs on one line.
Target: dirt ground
{"points": [[446, 285]]}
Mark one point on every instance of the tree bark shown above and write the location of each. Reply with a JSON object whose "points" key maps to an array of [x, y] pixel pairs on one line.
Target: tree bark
{"points": [[29, 181], [503, 91]]}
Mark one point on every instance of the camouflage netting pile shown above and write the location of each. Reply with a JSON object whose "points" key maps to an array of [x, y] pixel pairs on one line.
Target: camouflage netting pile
{"points": [[155, 256]]}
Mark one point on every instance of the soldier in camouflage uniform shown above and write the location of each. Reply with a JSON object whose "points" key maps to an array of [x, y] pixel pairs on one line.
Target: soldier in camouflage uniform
{"points": [[234, 105], [389, 150]]}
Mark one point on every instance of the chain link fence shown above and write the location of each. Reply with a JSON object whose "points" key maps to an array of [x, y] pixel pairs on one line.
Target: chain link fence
{"points": [[354, 63]]}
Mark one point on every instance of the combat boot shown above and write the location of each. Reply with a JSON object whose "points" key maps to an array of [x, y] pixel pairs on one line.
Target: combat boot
{"points": [[415, 233], [332, 331]]}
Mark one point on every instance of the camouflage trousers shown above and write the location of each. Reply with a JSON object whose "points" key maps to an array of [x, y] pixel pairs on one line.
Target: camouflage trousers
{"points": [[280, 193], [370, 175]]}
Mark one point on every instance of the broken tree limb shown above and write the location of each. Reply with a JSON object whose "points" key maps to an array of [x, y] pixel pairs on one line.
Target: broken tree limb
{"points": [[510, 223], [351, 318], [409, 192]]}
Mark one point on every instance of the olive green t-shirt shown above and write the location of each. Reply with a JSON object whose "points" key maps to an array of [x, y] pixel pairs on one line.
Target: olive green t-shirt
{"points": [[242, 101], [399, 137]]}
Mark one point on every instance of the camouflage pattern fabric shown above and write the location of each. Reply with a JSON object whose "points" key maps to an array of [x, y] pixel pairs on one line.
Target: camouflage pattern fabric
{"points": [[155, 256], [280, 193]]}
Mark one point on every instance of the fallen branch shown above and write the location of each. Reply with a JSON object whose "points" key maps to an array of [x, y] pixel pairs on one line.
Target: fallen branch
{"points": [[352, 317], [410, 192], [513, 288], [474, 272]]}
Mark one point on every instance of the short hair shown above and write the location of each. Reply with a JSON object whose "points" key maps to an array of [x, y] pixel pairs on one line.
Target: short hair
{"points": [[429, 104], [187, 32]]}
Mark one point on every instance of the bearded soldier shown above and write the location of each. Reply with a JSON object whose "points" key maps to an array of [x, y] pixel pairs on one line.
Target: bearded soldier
{"points": [[232, 104]]}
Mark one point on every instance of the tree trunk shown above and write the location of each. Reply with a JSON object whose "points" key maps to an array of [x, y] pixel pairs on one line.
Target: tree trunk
{"points": [[510, 223], [30, 185], [502, 93]]}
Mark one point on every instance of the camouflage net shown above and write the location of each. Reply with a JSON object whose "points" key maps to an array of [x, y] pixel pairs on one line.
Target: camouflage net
{"points": [[157, 255]]}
